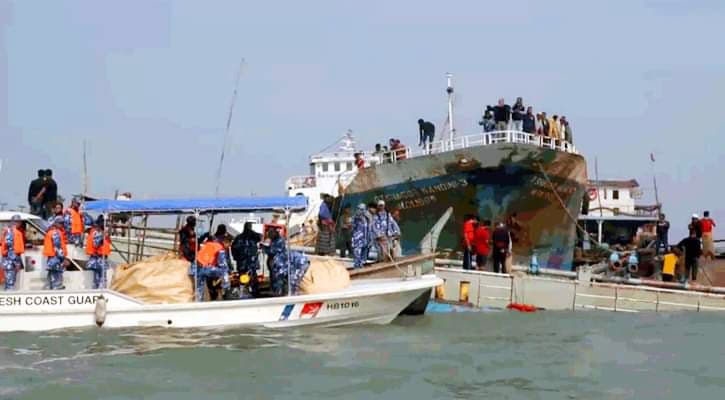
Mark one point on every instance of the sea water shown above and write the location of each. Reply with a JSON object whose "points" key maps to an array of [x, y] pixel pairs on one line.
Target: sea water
{"points": [[471, 355]]}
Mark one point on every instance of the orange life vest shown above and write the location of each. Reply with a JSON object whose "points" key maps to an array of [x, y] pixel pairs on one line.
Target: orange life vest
{"points": [[48, 248], [18, 242], [207, 254], [76, 222], [103, 250]]}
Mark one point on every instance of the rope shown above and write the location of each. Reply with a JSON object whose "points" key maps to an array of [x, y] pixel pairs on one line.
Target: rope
{"points": [[563, 205]]}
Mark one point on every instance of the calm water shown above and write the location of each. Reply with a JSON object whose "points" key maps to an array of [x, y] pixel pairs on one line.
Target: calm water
{"points": [[546, 355]]}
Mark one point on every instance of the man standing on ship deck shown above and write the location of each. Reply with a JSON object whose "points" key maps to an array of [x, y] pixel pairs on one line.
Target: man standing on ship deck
{"points": [[517, 114], [663, 228], [501, 114], [708, 246], [386, 232], [426, 132]]}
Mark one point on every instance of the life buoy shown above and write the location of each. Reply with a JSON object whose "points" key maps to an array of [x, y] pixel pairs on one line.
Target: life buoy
{"points": [[521, 307], [592, 192]]}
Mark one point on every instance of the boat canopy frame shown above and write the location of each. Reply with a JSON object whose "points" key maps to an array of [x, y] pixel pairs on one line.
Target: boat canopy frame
{"points": [[198, 207]]}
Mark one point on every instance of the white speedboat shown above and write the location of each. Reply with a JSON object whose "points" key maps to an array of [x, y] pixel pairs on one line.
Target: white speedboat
{"points": [[374, 301]]}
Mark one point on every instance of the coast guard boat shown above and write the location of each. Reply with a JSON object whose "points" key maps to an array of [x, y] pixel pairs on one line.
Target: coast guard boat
{"points": [[371, 301]]}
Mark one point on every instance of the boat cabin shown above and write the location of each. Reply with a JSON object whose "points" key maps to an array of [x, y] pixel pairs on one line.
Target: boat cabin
{"points": [[614, 216]]}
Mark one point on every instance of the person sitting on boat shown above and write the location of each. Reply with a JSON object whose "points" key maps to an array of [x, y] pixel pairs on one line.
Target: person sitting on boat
{"points": [[386, 232], [360, 236], [54, 247], [212, 265], [98, 248], [73, 222], [245, 251], [12, 247], [326, 235], [287, 269], [187, 239]]}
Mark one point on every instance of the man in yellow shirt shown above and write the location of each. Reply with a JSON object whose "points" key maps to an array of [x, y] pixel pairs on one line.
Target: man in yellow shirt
{"points": [[669, 264]]}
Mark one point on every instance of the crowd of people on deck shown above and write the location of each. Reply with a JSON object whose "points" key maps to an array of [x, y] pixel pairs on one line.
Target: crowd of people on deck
{"points": [[501, 117], [370, 228], [680, 262], [483, 240], [519, 117], [64, 227]]}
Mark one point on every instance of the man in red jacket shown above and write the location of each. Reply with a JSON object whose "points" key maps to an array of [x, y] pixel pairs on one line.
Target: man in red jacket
{"points": [[469, 226], [481, 240]]}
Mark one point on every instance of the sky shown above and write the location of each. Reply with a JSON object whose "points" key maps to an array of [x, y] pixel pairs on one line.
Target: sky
{"points": [[148, 84]]}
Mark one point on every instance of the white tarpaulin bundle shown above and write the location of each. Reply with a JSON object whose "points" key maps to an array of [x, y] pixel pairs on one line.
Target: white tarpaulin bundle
{"points": [[162, 279]]}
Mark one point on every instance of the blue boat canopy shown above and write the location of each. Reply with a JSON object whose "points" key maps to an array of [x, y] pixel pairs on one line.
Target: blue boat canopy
{"points": [[202, 205]]}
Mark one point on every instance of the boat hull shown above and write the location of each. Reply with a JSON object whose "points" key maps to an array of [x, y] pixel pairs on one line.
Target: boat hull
{"points": [[376, 301], [495, 182]]}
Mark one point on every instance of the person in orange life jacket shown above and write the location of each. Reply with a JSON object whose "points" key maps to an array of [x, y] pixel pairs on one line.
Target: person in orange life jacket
{"points": [[187, 239], [469, 226], [54, 247], [12, 247], [73, 221], [98, 248], [212, 264]]}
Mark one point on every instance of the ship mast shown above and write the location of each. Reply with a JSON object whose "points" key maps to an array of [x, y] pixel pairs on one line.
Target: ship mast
{"points": [[449, 90]]}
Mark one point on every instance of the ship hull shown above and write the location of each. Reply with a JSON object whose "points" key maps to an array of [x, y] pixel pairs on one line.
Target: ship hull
{"points": [[537, 191]]}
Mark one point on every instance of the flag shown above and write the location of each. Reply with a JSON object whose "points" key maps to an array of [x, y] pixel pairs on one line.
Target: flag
{"points": [[652, 157], [310, 310]]}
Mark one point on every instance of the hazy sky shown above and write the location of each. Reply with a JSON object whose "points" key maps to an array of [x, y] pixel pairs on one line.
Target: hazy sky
{"points": [[148, 85]]}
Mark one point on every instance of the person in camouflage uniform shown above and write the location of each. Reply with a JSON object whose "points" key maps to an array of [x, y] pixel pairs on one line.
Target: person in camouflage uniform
{"points": [[12, 261], [386, 231], [360, 236], [97, 258], [245, 250], [57, 261], [286, 269]]}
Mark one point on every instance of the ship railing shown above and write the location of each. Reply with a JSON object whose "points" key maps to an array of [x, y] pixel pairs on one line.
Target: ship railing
{"points": [[301, 182], [483, 139]]}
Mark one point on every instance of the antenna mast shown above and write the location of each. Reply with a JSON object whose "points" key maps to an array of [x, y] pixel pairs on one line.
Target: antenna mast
{"points": [[449, 90], [226, 133]]}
